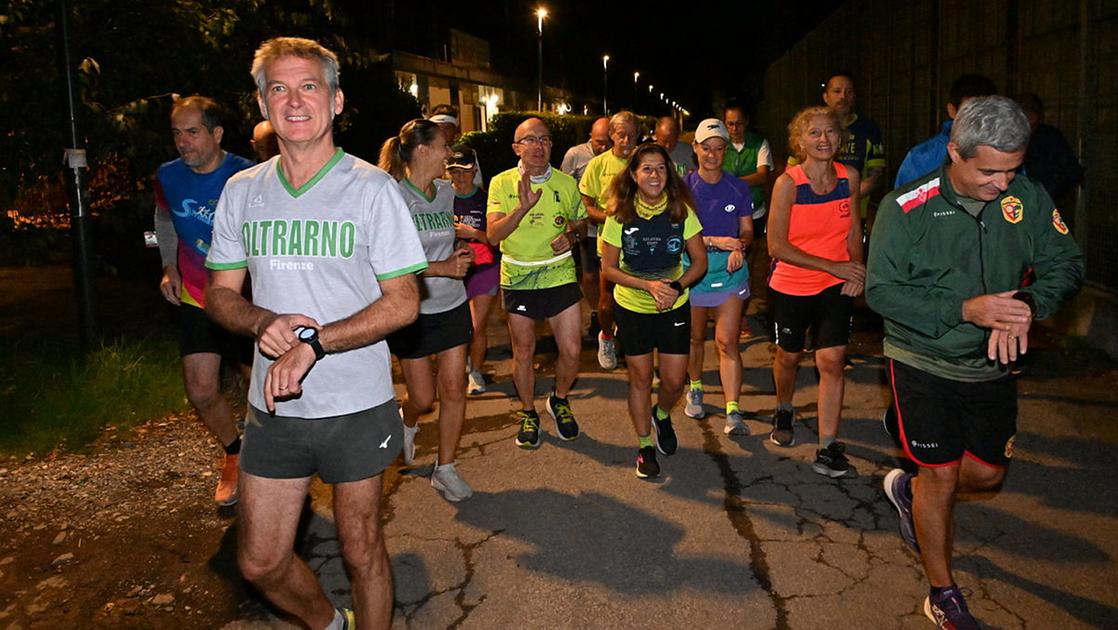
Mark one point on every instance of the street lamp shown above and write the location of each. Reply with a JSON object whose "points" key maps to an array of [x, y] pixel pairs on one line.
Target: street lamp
{"points": [[541, 13], [605, 83], [650, 86]]}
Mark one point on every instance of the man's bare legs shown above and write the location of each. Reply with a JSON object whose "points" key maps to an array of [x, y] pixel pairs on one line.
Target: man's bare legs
{"points": [[201, 374], [269, 516], [357, 512], [933, 508]]}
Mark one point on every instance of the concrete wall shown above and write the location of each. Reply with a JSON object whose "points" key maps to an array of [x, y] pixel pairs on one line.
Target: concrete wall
{"points": [[905, 56]]}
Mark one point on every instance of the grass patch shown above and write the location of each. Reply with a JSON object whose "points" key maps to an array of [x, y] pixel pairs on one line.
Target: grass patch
{"points": [[53, 397]]}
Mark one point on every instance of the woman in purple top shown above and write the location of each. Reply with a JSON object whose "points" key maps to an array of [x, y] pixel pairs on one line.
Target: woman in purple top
{"points": [[484, 277], [725, 208]]}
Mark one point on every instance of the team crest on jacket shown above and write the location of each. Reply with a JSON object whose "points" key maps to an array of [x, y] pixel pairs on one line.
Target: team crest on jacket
{"points": [[1058, 222], [1012, 210]]}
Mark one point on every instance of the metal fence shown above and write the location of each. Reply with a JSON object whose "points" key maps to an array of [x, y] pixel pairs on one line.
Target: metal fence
{"points": [[906, 54]]}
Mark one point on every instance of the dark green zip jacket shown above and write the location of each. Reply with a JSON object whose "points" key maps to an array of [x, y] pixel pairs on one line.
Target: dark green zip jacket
{"points": [[928, 255]]}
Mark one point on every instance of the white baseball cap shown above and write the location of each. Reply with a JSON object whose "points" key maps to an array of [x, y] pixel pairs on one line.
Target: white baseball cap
{"points": [[711, 128]]}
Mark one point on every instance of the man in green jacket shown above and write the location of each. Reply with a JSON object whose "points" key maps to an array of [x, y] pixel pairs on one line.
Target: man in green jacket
{"points": [[962, 261]]}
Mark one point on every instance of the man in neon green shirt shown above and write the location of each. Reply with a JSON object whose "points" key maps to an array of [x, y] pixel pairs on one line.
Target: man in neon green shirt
{"points": [[594, 187], [536, 214]]}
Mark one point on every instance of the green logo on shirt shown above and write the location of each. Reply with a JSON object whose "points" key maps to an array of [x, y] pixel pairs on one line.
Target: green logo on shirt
{"points": [[326, 239]]}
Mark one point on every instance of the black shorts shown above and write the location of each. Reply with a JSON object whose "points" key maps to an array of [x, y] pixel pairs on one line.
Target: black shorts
{"points": [[432, 333], [941, 420], [540, 304], [828, 314], [641, 333], [199, 334]]}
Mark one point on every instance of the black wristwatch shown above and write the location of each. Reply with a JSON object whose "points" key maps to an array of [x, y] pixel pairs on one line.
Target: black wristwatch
{"points": [[309, 336], [1027, 298], [677, 286]]}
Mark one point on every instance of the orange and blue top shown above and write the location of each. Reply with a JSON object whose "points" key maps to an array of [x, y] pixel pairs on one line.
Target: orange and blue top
{"points": [[819, 225]]}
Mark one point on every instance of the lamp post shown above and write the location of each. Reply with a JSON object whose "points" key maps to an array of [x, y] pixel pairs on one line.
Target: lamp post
{"points": [[541, 13], [636, 87], [605, 84]]}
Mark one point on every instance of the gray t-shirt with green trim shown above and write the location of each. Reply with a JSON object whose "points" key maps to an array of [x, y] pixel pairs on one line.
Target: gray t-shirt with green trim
{"points": [[319, 250], [434, 221]]}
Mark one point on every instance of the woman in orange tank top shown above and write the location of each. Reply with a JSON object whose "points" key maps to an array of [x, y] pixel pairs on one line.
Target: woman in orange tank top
{"points": [[815, 240]]}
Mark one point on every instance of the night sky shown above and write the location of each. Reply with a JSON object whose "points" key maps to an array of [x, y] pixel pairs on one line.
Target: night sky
{"points": [[699, 53]]}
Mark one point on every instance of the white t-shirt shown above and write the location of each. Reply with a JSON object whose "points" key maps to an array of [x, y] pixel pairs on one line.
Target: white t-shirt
{"points": [[319, 250], [434, 222]]}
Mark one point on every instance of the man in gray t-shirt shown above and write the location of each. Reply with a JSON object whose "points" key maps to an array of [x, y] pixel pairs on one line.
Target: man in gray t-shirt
{"points": [[333, 255]]}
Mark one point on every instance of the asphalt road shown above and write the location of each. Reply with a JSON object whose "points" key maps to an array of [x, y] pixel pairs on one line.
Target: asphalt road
{"points": [[739, 532]]}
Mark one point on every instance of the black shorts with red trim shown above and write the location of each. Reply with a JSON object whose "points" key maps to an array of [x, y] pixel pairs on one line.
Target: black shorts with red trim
{"points": [[941, 420]]}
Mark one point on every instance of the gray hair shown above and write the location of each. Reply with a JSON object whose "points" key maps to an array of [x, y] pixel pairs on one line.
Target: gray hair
{"points": [[624, 118], [994, 121], [278, 47]]}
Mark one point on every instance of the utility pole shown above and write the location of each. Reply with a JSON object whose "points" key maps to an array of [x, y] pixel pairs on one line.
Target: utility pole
{"points": [[80, 228]]}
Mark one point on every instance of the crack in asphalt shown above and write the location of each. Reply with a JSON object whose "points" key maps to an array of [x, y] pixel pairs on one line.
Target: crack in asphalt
{"points": [[742, 524], [467, 550]]}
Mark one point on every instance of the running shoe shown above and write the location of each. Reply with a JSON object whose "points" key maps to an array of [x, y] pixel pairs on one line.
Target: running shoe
{"points": [[476, 384], [735, 424], [948, 610], [782, 433], [831, 462], [607, 352], [446, 480], [666, 441], [409, 440], [349, 620], [694, 407], [529, 434], [898, 489], [646, 463], [226, 493], [560, 410]]}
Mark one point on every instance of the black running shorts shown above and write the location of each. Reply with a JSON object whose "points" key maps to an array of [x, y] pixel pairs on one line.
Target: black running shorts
{"points": [[540, 304], [432, 333], [641, 333], [341, 448], [941, 420], [828, 314], [199, 334]]}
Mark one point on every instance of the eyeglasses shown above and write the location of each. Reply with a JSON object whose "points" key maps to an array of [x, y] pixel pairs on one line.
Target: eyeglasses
{"points": [[531, 141]]}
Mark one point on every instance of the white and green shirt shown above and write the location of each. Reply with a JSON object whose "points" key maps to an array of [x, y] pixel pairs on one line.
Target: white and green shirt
{"points": [[527, 260], [434, 221], [320, 250]]}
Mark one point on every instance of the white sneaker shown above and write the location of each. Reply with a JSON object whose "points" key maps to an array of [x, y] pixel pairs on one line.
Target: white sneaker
{"points": [[694, 406], [607, 352], [409, 440], [445, 479], [476, 383]]}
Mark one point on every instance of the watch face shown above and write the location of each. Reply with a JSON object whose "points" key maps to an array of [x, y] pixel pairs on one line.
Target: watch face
{"points": [[306, 334]]}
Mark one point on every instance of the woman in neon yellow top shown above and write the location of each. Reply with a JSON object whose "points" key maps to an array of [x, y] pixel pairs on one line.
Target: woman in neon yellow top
{"points": [[649, 225]]}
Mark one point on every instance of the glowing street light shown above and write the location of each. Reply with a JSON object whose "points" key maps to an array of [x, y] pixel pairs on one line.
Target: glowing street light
{"points": [[605, 83], [541, 13]]}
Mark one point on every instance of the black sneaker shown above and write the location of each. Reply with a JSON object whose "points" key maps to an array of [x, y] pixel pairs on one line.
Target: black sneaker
{"points": [[565, 423], [646, 463], [782, 433], [666, 442], [529, 434], [831, 462]]}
